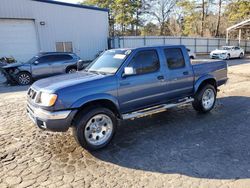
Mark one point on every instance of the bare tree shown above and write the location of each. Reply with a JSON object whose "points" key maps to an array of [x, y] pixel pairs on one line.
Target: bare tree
{"points": [[218, 19], [161, 10], [203, 17]]}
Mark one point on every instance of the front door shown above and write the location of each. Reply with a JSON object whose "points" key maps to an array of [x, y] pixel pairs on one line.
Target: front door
{"points": [[42, 68], [146, 87]]}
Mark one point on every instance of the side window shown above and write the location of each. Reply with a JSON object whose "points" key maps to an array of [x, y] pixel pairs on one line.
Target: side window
{"points": [[44, 59], [61, 58], [236, 48], [145, 62], [175, 58], [67, 57]]}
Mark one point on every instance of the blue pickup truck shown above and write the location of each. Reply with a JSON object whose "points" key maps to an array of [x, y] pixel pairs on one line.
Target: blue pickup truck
{"points": [[123, 84]]}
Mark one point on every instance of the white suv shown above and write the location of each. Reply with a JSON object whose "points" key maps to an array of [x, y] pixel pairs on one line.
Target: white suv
{"points": [[227, 52]]}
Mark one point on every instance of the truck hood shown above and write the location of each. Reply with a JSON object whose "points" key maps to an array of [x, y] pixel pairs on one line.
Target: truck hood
{"points": [[54, 83], [219, 51]]}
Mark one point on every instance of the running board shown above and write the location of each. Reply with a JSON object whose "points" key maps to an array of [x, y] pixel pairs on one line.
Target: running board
{"points": [[155, 109]]}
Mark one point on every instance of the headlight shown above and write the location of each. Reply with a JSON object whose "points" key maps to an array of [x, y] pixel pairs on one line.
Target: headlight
{"points": [[47, 99]]}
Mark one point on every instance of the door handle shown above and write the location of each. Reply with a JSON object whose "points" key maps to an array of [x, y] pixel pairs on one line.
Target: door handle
{"points": [[185, 73], [160, 77]]}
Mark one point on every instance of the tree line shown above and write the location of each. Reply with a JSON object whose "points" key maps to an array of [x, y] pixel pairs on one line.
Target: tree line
{"points": [[205, 18]]}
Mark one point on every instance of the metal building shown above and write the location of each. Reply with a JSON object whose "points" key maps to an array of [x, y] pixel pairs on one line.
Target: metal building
{"points": [[31, 26]]}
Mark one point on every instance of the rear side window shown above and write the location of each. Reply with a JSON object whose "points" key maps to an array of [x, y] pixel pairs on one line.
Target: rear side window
{"points": [[145, 62], [54, 58], [175, 58], [62, 57]]}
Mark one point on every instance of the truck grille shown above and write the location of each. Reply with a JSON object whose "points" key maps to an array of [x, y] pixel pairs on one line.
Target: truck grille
{"points": [[32, 93]]}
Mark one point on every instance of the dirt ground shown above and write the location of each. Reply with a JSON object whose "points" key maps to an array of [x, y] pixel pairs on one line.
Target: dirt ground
{"points": [[177, 148]]}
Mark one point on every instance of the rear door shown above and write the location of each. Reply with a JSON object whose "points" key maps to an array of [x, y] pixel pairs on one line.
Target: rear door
{"points": [[60, 62], [179, 73], [236, 51]]}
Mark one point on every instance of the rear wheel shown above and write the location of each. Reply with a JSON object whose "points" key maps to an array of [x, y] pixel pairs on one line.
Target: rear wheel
{"points": [[205, 99], [24, 78], [95, 128], [241, 55]]}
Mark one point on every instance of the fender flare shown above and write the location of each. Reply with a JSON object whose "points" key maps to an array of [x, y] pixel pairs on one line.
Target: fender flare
{"points": [[201, 80], [91, 98]]}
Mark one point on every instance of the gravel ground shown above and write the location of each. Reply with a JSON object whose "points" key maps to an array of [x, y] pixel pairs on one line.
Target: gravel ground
{"points": [[178, 148]]}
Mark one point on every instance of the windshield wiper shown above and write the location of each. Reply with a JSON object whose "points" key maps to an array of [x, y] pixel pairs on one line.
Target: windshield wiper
{"points": [[97, 72]]}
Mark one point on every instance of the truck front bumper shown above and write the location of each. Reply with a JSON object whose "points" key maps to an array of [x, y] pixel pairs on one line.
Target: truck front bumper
{"points": [[58, 121]]}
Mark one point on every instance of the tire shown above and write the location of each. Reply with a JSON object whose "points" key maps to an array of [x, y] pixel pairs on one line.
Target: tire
{"points": [[228, 57], [71, 70], [202, 103], [191, 57], [95, 127], [24, 78], [241, 55]]}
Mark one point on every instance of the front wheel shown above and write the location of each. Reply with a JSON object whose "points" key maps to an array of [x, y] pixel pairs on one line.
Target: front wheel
{"points": [[95, 128], [24, 78], [205, 99]]}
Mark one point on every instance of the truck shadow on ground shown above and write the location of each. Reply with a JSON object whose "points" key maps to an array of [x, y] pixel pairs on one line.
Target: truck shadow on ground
{"points": [[181, 141]]}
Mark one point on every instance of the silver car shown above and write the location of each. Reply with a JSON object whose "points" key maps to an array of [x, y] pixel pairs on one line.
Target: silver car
{"points": [[41, 66]]}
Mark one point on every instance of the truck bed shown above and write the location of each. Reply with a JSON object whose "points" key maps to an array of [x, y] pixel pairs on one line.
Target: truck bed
{"points": [[215, 68]]}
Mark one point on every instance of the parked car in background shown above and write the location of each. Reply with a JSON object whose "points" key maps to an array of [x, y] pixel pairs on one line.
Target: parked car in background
{"points": [[191, 54], [41, 66], [227, 52], [123, 84]]}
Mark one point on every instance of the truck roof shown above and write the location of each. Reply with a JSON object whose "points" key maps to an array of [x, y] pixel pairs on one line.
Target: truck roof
{"points": [[145, 47]]}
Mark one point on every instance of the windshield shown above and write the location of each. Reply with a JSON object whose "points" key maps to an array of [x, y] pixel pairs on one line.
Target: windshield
{"points": [[109, 62], [225, 48]]}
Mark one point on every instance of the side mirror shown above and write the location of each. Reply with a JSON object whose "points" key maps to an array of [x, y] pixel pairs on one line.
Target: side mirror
{"points": [[36, 62], [80, 65], [128, 71]]}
